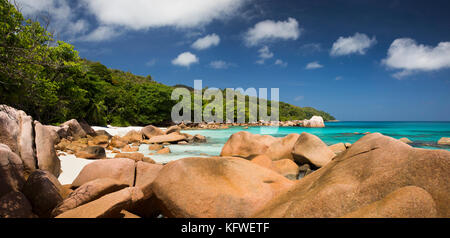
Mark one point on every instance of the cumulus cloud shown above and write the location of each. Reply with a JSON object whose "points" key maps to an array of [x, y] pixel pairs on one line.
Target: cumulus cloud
{"points": [[102, 33], [406, 55], [185, 59], [314, 65], [281, 63], [144, 14], [61, 16], [299, 98], [206, 42], [220, 64], [70, 20], [150, 63], [357, 44], [272, 30], [264, 54]]}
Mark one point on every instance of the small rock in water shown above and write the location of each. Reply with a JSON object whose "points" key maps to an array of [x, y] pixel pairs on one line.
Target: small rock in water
{"points": [[405, 140], [444, 141]]}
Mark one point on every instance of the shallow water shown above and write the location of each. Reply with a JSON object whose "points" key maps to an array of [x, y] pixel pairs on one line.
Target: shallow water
{"points": [[423, 134]]}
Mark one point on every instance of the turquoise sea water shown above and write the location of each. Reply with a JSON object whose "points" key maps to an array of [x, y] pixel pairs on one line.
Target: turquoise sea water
{"points": [[423, 134]]}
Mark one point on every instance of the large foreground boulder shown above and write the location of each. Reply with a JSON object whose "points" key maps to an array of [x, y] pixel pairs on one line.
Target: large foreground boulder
{"points": [[122, 170], [282, 148], [315, 121], [11, 171], [15, 205], [310, 149], [46, 139], [88, 192], [215, 187], [16, 131], [108, 206], [245, 144], [367, 172], [146, 173], [406, 202], [43, 191]]}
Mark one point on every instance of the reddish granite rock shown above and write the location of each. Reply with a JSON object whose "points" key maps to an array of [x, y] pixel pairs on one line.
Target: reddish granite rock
{"points": [[215, 187]]}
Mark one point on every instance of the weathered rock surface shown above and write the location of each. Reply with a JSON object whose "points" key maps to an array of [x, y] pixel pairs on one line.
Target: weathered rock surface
{"points": [[132, 156], [310, 149], [92, 152], [43, 191], [164, 150], [172, 129], [406, 202], [405, 140], [150, 131], [15, 205], [282, 148], [118, 142], [244, 144], [11, 171], [129, 148], [215, 187], [16, 131], [367, 172], [155, 147], [75, 129], [121, 170], [47, 158], [108, 206], [88, 192], [145, 175], [315, 121], [338, 148], [287, 168], [133, 136], [199, 139], [173, 137], [444, 141]]}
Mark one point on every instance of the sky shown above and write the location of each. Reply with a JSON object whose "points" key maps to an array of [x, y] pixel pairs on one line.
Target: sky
{"points": [[359, 60]]}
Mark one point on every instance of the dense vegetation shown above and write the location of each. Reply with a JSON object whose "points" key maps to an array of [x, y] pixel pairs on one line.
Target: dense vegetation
{"points": [[50, 82]]}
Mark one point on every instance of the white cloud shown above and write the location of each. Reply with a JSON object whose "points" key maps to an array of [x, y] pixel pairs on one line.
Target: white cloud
{"points": [[144, 14], [206, 42], [314, 65], [185, 59], [406, 55], [150, 63], [102, 33], [357, 44], [299, 98], [338, 78], [70, 20], [281, 63], [270, 30], [220, 64], [61, 16], [264, 54]]}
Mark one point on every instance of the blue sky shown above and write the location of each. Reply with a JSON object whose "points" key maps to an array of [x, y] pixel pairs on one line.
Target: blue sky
{"points": [[356, 59]]}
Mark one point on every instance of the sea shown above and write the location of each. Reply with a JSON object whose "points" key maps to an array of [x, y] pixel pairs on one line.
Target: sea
{"points": [[423, 134]]}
